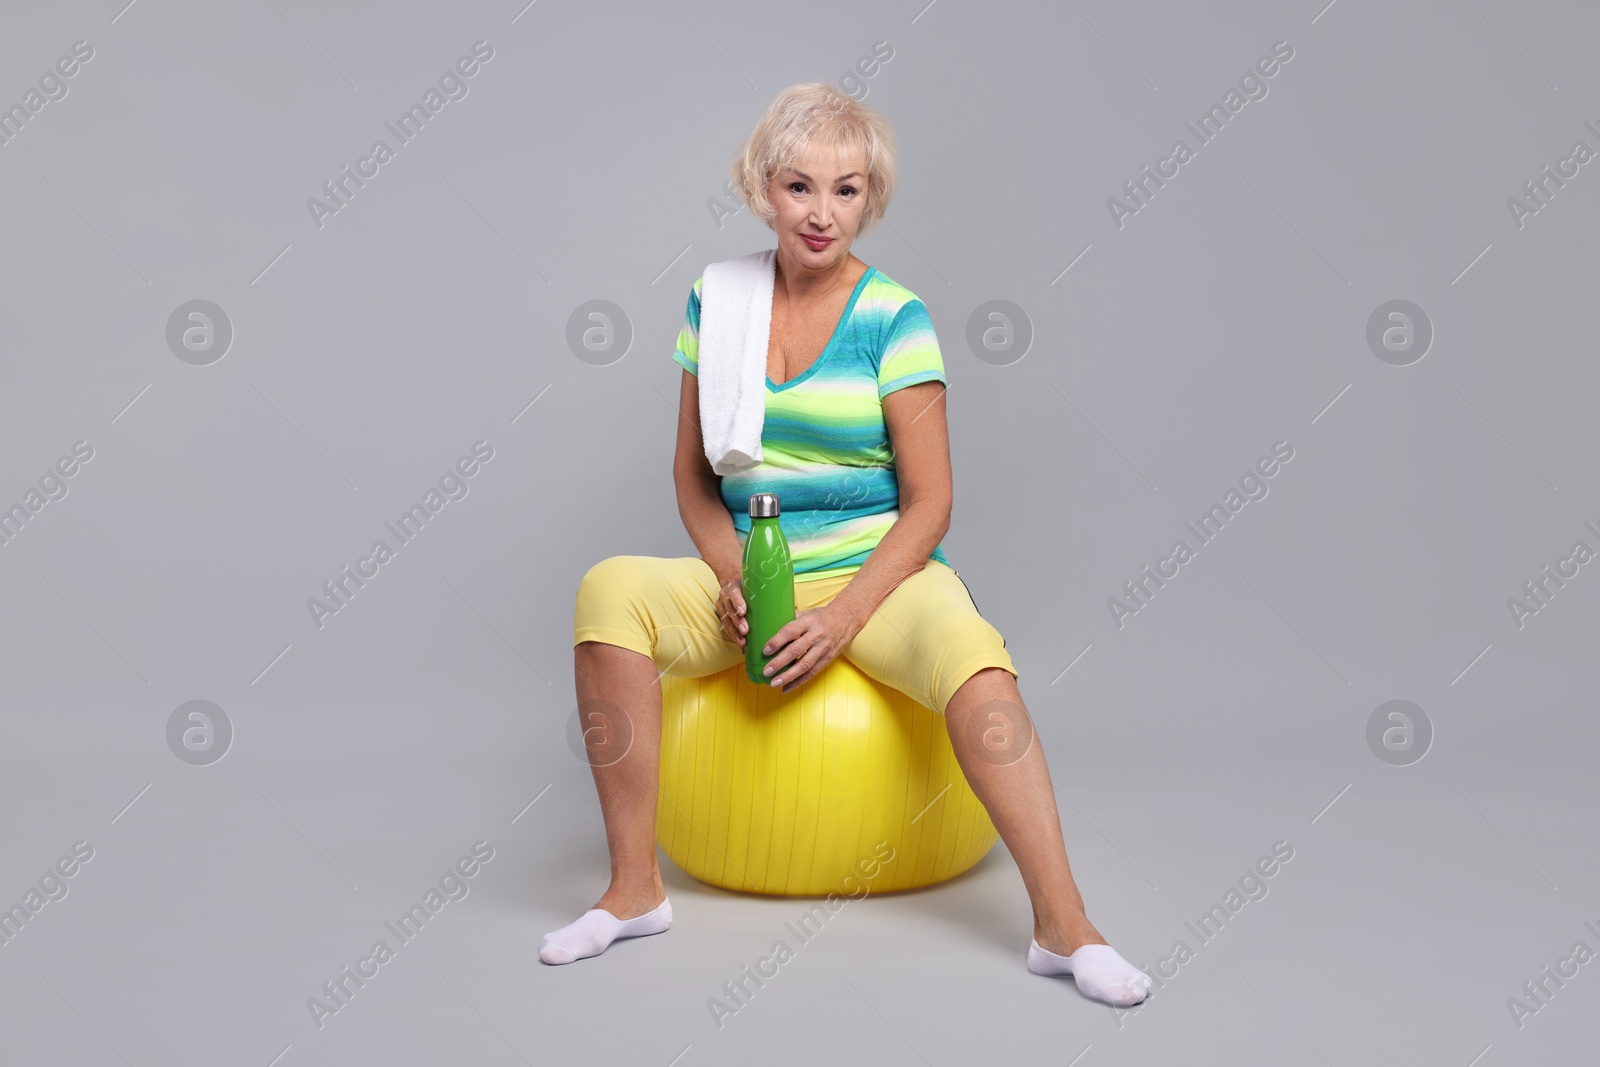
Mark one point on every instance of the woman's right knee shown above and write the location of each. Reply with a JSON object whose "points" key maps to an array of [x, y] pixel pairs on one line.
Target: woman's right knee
{"points": [[611, 592], [611, 571], [610, 580]]}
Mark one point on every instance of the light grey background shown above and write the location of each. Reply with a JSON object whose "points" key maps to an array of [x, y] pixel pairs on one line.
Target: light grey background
{"points": [[432, 312]]}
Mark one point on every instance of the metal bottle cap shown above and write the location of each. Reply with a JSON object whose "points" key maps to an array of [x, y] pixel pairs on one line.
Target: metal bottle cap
{"points": [[763, 505]]}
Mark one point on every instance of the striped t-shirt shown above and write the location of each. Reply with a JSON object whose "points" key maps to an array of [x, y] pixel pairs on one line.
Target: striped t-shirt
{"points": [[825, 448]]}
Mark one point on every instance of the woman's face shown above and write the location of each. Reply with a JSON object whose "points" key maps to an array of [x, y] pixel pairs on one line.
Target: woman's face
{"points": [[821, 195]]}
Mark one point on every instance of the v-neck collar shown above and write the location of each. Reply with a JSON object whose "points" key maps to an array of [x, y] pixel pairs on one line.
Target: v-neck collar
{"points": [[838, 327]]}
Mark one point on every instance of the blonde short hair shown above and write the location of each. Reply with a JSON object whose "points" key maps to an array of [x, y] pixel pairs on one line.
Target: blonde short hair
{"points": [[815, 115]]}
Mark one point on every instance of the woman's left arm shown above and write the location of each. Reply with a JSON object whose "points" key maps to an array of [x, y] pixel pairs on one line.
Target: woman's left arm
{"points": [[919, 440]]}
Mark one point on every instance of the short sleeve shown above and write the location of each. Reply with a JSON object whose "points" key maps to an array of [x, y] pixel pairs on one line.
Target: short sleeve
{"points": [[688, 351], [910, 351]]}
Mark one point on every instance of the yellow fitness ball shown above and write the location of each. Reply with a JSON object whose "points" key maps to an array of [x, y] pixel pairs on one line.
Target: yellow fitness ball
{"points": [[767, 792]]}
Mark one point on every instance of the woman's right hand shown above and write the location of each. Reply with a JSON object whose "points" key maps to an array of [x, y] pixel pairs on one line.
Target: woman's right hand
{"points": [[731, 610]]}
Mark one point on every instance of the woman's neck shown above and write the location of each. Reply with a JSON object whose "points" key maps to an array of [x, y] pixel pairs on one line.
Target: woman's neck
{"points": [[795, 283]]}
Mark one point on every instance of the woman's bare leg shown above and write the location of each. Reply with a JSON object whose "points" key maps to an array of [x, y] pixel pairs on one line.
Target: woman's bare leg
{"points": [[1017, 792], [619, 707]]}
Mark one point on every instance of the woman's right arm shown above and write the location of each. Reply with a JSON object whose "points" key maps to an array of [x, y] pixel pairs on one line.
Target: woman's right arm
{"points": [[699, 493]]}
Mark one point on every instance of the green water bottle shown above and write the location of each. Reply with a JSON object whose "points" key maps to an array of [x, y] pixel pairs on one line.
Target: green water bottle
{"points": [[768, 581]]}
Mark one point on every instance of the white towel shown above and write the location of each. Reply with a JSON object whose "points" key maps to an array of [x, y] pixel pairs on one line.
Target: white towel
{"points": [[735, 321]]}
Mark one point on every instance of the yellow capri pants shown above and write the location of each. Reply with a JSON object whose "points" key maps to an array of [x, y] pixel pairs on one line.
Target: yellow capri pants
{"points": [[926, 638]]}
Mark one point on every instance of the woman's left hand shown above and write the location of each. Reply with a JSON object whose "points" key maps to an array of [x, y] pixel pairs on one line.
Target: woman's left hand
{"points": [[808, 644]]}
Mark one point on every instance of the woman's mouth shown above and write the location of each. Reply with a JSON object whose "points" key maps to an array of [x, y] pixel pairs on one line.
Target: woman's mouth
{"points": [[815, 242]]}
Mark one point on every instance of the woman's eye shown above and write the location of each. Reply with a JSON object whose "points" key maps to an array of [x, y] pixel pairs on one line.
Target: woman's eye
{"points": [[797, 187]]}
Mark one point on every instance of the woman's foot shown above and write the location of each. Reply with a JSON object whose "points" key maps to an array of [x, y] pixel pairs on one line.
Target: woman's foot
{"points": [[1099, 970], [629, 901], [594, 930]]}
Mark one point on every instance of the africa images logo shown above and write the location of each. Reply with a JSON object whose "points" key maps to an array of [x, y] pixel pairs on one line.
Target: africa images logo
{"points": [[452, 486], [342, 189]]}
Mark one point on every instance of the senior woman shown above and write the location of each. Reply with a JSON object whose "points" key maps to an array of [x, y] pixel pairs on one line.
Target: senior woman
{"points": [[855, 443]]}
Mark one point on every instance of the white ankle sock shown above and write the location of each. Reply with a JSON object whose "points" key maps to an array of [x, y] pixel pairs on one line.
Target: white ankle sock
{"points": [[597, 928], [1099, 970]]}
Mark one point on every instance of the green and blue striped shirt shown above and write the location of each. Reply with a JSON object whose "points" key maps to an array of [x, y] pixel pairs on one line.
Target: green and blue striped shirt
{"points": [[825, 448]]}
